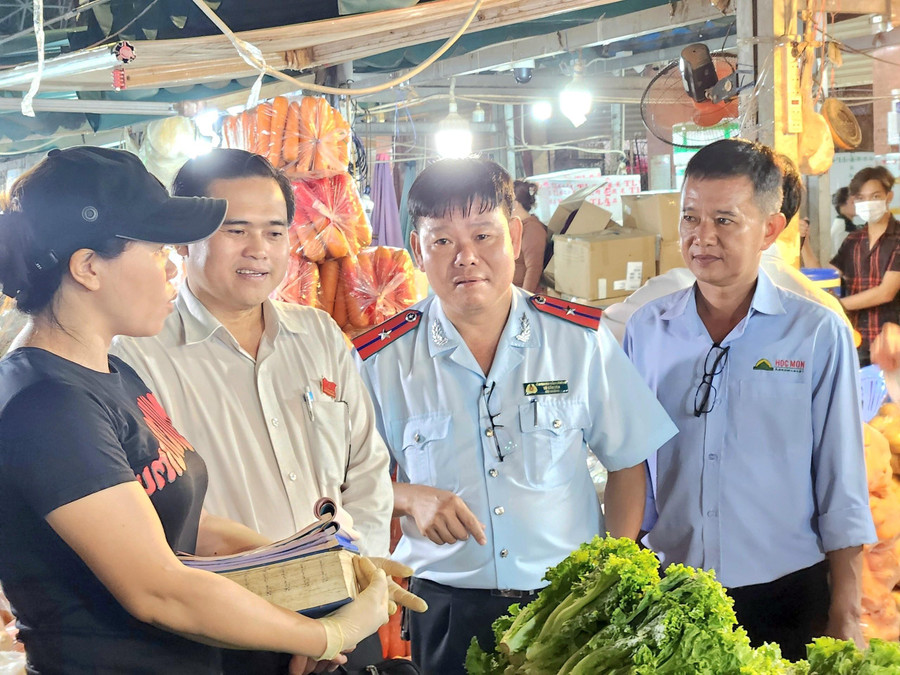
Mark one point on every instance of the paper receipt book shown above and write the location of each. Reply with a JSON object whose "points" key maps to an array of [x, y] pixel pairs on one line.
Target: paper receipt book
{"points": [[310, 572]]}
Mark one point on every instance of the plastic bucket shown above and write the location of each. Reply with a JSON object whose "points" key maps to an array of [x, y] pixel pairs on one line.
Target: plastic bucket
{"points": [[825, 278]]}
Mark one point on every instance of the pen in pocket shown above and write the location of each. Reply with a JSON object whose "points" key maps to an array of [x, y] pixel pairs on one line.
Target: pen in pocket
{"points": [[308, 398]]}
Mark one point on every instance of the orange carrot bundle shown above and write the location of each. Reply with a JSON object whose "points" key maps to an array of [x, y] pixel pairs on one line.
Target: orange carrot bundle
{"points": [[277, 129], [380, 282], [328, 283], [322, 145], [301, 283], [332, 206]]}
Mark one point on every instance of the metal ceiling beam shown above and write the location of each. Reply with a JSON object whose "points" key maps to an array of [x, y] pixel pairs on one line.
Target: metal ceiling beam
{"points": [[661, 55], [643, 22]]}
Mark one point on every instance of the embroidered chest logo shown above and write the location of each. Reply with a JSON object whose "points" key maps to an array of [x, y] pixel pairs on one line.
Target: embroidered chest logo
{"points": [[781, 365], [172, 447]]}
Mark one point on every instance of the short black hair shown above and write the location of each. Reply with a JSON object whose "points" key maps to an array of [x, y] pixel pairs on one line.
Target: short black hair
{"points": [[459, 185], [737, 157], [526, 193], [863, 176], [840, 198], [791, 187], [195, 177]]}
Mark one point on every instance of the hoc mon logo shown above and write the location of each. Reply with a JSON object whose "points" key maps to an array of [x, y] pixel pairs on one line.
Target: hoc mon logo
{"points": [[781, 365]]}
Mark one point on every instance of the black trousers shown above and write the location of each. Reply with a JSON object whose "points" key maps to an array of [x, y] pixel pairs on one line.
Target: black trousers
{"points": [[791, 610], [440, 637], [237, 662]]}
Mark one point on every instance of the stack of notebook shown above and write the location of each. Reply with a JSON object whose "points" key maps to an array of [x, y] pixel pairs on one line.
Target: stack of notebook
{"points": [[310, 572]]}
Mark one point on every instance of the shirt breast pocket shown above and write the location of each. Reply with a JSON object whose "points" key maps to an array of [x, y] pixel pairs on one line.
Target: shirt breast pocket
{"points": [[331, 438], [553, 440], [426, 457], [771, 412]]}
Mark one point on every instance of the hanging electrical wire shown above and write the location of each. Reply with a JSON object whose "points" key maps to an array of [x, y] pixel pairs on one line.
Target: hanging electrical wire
{"points": [[253, 56]]}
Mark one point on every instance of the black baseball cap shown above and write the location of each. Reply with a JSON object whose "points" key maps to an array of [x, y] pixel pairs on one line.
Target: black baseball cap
{"points": [[83, 196]]}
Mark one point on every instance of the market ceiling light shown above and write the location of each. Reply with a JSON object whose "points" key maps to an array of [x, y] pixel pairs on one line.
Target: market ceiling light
{"points": [[453, 137], [84, 61], [542, 110], [478, 114], [575, 99]]}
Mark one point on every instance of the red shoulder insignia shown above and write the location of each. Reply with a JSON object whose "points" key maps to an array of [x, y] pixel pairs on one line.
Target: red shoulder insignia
{"points": [[386, 332], [583, 315]]}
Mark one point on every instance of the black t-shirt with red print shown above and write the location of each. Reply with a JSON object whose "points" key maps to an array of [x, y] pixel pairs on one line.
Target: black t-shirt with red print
{"points": [[67, 432]]}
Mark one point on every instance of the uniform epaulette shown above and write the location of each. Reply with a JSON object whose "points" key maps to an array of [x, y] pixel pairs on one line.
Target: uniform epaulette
{"points": [[583, 315], [386, 332]]}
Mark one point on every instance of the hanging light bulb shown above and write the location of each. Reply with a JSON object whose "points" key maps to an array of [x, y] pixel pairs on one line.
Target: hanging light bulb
{"points": [[453, 137], [542, 110], [575, 99], [478, 114]]}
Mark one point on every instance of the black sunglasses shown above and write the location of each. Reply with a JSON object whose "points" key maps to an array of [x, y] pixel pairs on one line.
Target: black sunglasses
{"points": [[714, 364]]}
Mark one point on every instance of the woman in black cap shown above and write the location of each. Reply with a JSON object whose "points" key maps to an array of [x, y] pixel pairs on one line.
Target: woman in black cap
{"points": [[97, 489]]}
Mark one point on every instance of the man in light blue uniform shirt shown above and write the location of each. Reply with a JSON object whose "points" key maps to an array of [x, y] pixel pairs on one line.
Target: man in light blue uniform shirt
{"points": [[766, 477], [488, 399]]}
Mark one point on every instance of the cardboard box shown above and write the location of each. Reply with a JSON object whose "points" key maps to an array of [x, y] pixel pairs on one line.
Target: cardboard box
{"points": [[658, 212], [590, 218], [670, 256], [607, 264]]}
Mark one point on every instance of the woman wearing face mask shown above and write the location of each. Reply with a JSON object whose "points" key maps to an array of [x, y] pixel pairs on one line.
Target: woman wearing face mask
{"points": [[869, 258]]}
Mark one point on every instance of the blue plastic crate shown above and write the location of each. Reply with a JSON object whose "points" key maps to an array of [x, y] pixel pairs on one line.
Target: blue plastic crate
{"points": [[872, 391]]}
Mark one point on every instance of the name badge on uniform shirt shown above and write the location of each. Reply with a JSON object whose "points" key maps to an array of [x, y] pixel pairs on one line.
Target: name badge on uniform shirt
{"points": [[549, 387]]}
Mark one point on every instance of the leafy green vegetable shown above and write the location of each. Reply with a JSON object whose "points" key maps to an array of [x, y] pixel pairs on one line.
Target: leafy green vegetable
{"points": [[606, 611]]}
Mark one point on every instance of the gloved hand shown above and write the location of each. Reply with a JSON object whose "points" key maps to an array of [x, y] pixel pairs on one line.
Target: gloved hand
{"points": [[398, 595], [360, 618]]}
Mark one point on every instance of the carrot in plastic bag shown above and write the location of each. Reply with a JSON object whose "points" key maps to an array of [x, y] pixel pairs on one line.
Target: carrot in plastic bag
{"points": [[336, 245], [307, 137], [276, 130], [328, 278], [333, 133], [340, 303], [264, 115], [230, 131], [301, 283], [305, 242], [356, 294], [290, 149]]}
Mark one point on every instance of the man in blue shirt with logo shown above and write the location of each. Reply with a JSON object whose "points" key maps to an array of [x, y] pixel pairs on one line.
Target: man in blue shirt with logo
{"points": [[488, 398], [765, 482]]}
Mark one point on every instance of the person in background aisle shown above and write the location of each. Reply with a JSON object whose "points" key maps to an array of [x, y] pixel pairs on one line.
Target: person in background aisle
{"points": [[766, 479], [783, 274], [530, 261], [488, 399], [869, 259], [97, 488], [841, 226], [270, 389]]}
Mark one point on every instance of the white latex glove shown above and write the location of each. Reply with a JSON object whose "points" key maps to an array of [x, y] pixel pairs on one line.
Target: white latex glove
{"points": [[359, 619], [397, 594]]}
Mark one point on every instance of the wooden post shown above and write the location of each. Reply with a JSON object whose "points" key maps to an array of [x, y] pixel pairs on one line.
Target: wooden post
{"points": [[765, 30]]}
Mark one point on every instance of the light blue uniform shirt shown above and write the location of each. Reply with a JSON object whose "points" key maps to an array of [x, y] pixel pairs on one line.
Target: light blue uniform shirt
{"points": [[774, 476], [539, 503]]}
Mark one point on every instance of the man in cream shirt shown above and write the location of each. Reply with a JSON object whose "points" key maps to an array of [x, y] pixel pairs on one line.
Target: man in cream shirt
{"points": [[267, 392]]}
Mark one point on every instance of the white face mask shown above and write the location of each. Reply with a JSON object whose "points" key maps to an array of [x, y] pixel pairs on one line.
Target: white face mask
{"points": [[871, 212]]}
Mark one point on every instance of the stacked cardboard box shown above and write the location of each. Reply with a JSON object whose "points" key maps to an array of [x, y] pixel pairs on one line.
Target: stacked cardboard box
{"points": [[658, 212], [596, 260]]}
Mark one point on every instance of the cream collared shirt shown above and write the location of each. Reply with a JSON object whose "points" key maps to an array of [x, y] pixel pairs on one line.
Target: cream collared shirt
{"points": [[271, 454]]}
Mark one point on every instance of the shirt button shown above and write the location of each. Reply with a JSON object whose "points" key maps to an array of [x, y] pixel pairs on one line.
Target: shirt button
{"points": [[557, 424], [493, 473], [504, 553], [499, 510], [712, 457], [274, 421], [292, 476], [489, 433], [712, 514], [417, 438]]}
